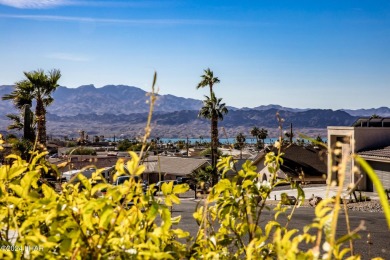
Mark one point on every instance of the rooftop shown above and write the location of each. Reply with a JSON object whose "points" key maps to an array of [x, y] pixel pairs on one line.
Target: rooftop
{"points": [[372, 122], [173, 165], [380, 153]]}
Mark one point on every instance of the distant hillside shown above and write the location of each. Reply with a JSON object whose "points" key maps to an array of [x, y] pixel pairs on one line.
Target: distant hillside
{"points": [[315, 118], [186, 123], [278, 107], [119, 109], [381, 111], [121, 99], [6, 107], [116, 99]]}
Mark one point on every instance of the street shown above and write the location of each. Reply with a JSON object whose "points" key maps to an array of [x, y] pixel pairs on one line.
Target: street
{"points": [[377, 246]]}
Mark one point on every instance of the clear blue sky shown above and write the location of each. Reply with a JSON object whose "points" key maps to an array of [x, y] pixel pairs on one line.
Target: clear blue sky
{"points": [[318, 54]]}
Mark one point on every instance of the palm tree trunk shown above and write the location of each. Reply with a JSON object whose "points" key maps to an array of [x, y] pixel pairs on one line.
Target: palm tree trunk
{"points": [[214, 148], [40, 113]]}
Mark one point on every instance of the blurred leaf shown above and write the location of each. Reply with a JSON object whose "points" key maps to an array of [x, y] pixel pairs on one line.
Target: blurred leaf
{"points": [[105, 217], [48, 192], [378, 187], [84, 181], [180, 188]]}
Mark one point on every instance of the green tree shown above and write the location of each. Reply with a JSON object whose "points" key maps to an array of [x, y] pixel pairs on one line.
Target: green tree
{"points": [[263, 134], [21, 95], [39, 86], [375, 116], [82, 151], [240, 140], [208, 80], [213, 110], [124, 145], [24, 121]]}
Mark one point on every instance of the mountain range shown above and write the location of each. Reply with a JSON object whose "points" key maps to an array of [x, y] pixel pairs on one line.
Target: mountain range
{"points": [[120, 109]]}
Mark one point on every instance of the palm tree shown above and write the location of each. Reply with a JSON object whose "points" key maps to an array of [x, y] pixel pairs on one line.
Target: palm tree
{"points": [[263, 134], [17, 122], [38, 86], [209, 80], [255, 133], [20, 96], [24, 122], [213, 110], [240, 139]]}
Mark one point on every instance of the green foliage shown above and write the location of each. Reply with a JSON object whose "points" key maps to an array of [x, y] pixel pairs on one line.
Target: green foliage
{"points": [[127, 145], [207, 152], [71, 144], [37, 86], [22, 147], [202, 178], [127, 223], [287, 200], [82, 151], [9, 137], [79, 224], [378, 186]]}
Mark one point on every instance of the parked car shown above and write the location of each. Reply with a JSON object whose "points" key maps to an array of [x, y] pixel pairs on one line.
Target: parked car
{"points": [[160, 183]]}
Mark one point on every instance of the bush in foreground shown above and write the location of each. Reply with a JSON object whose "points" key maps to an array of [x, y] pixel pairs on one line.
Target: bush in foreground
{"points": [[83, 224]]}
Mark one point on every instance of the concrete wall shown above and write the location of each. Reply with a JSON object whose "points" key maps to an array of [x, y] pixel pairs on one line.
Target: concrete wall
{"points": [[367, 138], [361, 138], [346, 136], [382, 170]]}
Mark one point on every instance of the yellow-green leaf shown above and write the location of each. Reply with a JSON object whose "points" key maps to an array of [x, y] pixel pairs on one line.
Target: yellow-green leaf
{"points": [[105, 218], [378, 187], [181, 188]]}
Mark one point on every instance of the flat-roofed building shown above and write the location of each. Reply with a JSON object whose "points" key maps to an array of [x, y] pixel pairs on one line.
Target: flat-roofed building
{"points": [[367, 137]]}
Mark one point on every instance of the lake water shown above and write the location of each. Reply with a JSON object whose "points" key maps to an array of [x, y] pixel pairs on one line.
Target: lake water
{"points": [[207, 140]]}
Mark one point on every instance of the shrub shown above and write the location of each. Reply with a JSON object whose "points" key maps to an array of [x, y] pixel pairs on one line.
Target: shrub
{"points": [[71, 144], [81, 224], [82, 151], [78, 224]]}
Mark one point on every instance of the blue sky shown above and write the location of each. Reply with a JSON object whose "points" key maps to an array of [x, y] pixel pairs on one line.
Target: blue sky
{"points": [[318, 54]]}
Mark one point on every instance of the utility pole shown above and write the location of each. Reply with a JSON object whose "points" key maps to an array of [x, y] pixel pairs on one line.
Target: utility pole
{"points": [[291, 133], [187, 148]]}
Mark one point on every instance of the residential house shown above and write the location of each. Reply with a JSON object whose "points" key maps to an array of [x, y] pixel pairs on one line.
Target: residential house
{"points": [[170, 167], [302, 163], [367, 137]]}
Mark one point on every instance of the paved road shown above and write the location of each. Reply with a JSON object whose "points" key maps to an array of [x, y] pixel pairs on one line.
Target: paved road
{"points": [[375, 226]]}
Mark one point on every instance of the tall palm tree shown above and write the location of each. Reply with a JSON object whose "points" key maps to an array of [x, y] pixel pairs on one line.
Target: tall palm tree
{"points": [[208, 80], [213, 110], [240, 139], [38, 86]]}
